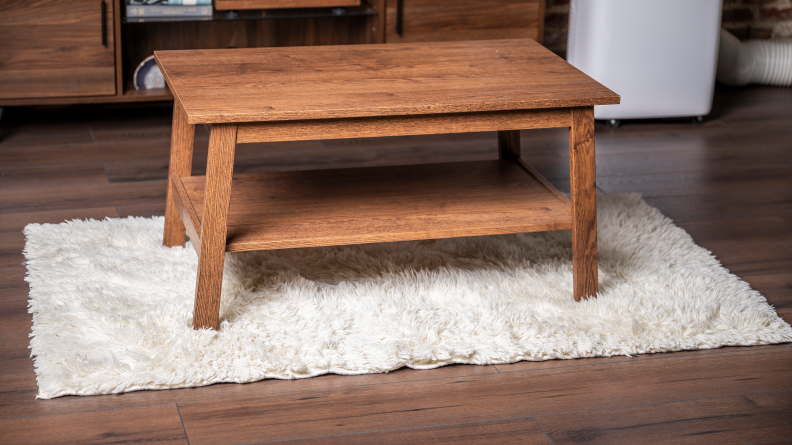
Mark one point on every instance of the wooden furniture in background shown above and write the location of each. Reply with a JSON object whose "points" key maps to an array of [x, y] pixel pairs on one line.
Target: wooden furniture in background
{"points": [[54, 49], [273, 94], [51, 52], [223, 5], [434, 20]]}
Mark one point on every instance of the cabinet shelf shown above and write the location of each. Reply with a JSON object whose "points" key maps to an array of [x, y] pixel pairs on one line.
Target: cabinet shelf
{"points": [[364, 10], [380, 204]]}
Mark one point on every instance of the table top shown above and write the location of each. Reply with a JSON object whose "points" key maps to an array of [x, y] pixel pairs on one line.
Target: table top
{"points": [[329, 82]]}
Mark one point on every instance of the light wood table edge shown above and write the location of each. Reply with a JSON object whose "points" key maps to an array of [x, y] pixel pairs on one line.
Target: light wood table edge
{"points": [[282, 131]]}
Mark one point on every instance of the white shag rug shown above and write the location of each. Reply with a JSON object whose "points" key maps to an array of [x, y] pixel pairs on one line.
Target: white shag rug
{"points": [[112, 308]]}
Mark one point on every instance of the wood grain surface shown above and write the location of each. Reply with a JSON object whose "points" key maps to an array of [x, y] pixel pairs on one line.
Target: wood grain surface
{"points": [[521, 431], [181, 154], [54, 49], [273, 84], [222, 5], [757, 418], [538, 392], [402, 125], [509, 148], [583, 182], [190, 218], [217, 186], [352, 206], [726, 395], [432, 20], [144, 424], [509, 143]]}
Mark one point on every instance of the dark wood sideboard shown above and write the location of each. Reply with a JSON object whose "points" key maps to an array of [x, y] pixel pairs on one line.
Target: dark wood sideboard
{"points": [[85, 51]]}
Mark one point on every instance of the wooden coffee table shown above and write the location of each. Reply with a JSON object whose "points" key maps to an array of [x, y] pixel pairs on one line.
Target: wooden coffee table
{"points": [[331, 92]]}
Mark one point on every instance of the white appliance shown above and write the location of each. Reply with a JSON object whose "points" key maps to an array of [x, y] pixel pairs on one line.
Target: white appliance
{"points": [[660, 56]]}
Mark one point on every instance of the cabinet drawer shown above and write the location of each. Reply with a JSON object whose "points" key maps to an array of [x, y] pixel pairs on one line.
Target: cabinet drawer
{"points": [[56, 48], [438, 20]]}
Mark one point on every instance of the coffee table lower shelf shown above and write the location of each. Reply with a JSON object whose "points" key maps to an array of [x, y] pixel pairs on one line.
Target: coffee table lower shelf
{"points": [[280, 210]]}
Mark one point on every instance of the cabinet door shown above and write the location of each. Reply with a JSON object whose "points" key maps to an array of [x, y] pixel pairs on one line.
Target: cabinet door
{"points": [[437, 20], [56, 48]]}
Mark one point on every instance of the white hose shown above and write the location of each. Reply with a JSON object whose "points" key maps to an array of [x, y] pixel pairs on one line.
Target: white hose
{"points": [[765, 62]]}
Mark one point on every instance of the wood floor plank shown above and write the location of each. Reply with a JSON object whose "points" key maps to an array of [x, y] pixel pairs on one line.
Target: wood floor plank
{"points": [[78, 197], [756, 418], [742, 150], [14, 293], [52, 176], [12, 283], [144, 210], [651, 157], [755, 259], [21, 404], [15, 355], [14, 317], [785, 314], [783, 152], [145, 424], [524, 431], [681, 135], [53, 155], [776, 288], [157, 125], [683, 183], [16, 385], [597, 361], [11, 252], [741, 232], [11, 224], [29, 134], [720, 206], [498, 396]]}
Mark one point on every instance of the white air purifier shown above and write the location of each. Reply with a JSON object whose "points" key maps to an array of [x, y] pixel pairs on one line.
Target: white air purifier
{"points": [[659, 56]]}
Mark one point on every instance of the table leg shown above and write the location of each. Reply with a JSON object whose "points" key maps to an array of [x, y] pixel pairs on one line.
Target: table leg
{"points": [[509, 144], [181, 154], [582, 174], [219, 170]]}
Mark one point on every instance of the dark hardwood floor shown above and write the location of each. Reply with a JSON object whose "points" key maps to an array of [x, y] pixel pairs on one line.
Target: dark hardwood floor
{"points": [[728, 182]]}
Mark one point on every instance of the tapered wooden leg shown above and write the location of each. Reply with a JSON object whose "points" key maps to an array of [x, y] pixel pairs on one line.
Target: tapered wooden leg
{"points": [[509, 144], [582, 173], [181, 154], [219, 169]]}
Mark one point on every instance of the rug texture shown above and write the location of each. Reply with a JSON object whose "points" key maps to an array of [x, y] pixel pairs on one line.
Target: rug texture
{"points": [[112, 308]]}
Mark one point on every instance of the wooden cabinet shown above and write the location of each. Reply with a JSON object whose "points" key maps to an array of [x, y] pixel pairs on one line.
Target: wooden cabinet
{"points": [[439, 20], [56, 48], [77, 51]]}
